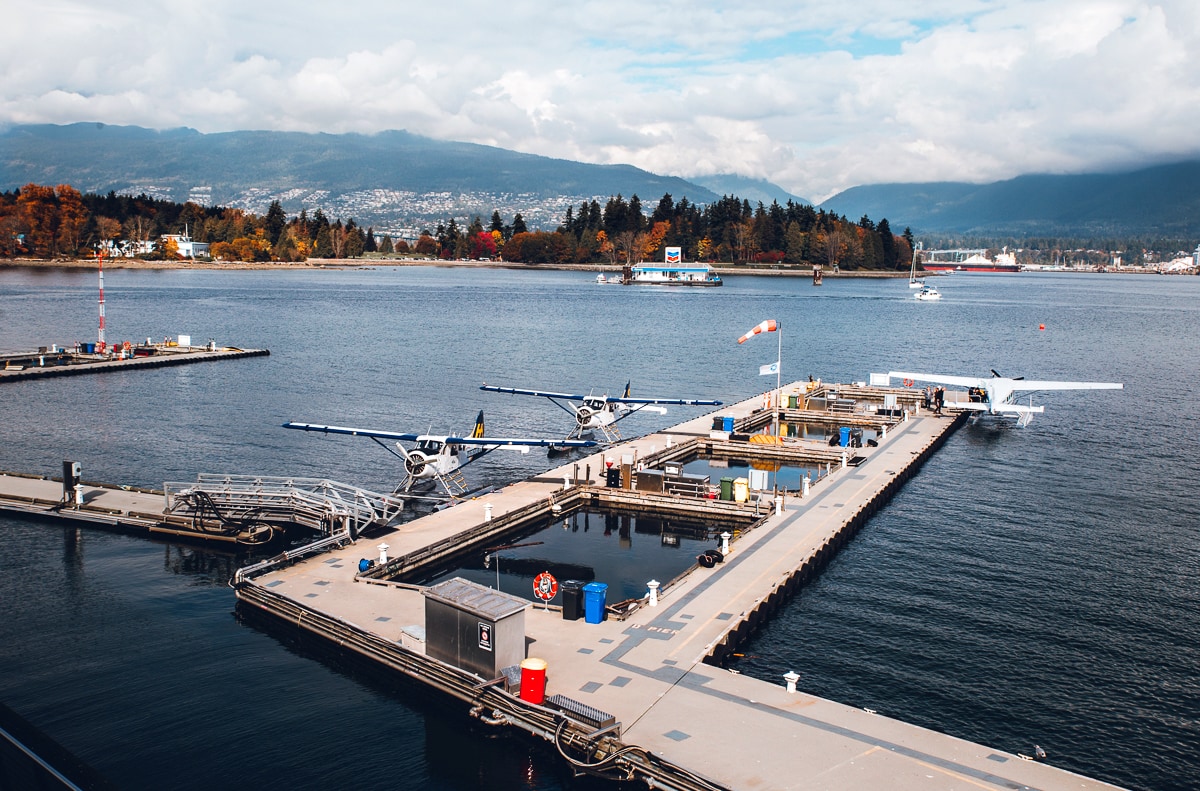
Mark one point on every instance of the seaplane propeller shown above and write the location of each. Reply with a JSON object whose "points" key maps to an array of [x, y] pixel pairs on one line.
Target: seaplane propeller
{"points": [[415, 463]]}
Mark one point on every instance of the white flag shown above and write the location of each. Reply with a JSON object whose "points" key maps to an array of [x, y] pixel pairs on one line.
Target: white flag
{"points": [[764, 370]]}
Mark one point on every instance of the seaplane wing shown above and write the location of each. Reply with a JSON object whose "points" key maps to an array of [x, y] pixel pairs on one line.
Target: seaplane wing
{"points": [[670, 401], [540, 393], [517, 442], [1034, 385], [496, 442], [355, 432], [940, 379], [1011, 385], [625, 399]]}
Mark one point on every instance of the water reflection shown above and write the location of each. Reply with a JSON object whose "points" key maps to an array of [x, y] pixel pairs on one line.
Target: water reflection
{"points": [[625, 553]]}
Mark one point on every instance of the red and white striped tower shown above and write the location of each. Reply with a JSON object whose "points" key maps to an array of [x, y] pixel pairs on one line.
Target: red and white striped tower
{"points": [[100, 259]]}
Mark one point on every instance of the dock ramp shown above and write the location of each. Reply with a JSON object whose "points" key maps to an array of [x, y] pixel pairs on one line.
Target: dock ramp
{"points": [[316, 503]]}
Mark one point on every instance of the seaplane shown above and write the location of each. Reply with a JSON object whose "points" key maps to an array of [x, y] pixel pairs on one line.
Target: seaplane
{"points": [[438, 460], [600, 412], [996, 395]]}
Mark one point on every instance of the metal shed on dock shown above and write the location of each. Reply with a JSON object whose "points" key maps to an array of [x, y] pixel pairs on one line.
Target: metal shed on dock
{"points": [[475, 628]]}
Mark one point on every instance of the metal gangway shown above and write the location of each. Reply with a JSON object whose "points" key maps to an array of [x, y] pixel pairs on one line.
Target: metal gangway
{"points": [[317, 503]]}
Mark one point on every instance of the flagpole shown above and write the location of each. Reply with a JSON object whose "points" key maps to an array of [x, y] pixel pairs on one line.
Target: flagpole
{"points": [[779, 365], [779, 380]]}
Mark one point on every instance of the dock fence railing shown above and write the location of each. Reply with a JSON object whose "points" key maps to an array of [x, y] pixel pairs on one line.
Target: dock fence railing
{"points": [[332, 541]]}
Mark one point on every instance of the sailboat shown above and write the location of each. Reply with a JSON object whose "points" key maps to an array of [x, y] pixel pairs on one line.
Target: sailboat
{"points": [[912, 275]]}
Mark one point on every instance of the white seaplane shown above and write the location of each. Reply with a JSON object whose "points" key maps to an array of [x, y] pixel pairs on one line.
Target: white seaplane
{"points": [[996, 395], [600, 412], [439, 459]]}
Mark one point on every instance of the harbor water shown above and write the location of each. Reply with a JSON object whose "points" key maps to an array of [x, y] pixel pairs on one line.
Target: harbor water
{"points": [[1028, 586]]}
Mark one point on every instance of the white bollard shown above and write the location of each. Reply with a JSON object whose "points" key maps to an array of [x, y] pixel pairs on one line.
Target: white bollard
{"points": [[843, 461], [383, 548], [883, 433], [906, 416], [790, 678], [566, 482], [779, 503], [725, 543], [653, 586], [487, 512], [669, 443], [804, 484]]}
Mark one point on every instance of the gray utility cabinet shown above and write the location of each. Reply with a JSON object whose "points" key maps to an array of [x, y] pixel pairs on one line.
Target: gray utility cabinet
{"points": [[474, 628]]}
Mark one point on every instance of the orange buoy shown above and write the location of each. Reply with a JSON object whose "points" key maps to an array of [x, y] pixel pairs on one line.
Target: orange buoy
{"points": [[1041, 326]]}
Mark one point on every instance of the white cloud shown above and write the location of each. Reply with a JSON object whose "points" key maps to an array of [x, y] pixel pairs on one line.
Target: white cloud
{"points": [[815, 96]]}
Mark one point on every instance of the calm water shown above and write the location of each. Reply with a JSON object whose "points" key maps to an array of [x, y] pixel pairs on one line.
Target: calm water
{"points": [[1028, 586]]}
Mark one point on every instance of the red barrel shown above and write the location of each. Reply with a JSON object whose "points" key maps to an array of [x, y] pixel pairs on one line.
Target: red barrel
{"points": [[533, 680]]}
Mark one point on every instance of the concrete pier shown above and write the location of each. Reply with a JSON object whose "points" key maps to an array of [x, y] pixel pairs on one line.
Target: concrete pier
{"points": [[643, 694]]}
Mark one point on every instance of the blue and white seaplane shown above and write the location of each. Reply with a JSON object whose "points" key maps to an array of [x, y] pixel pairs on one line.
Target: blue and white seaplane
{"points": [[438, 460], [600, 412], [996, 395]]}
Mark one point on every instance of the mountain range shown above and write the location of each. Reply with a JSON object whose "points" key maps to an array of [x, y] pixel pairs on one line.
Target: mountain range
{"points": [[386, 179], [1159, 201], [393, 180]]}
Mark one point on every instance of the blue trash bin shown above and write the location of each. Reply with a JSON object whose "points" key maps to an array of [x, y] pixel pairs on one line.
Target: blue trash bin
{"points": [[727, 423], [594, 595], [844, 438]]}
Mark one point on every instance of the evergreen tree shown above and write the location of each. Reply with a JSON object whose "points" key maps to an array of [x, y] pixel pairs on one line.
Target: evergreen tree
{"points": [[385, 246], [888, 244], [665, 210], [369, 245], [274, 222], [635, 220], [324, 243], [518, 225]]}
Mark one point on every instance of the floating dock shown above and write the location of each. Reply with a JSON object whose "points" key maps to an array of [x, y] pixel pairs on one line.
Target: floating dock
{"points": [[225, 509], [641, 694], [56, 361]]}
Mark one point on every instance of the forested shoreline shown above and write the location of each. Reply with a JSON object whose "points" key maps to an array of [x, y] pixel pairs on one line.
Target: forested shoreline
{"points": [[53, 223]]}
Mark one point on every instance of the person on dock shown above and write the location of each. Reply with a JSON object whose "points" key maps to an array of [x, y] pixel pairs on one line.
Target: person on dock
{"points": [[939, 397]]}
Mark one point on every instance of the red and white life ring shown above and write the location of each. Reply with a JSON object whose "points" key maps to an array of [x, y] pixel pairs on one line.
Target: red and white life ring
{"points": [[545, 586], [908, 383]]}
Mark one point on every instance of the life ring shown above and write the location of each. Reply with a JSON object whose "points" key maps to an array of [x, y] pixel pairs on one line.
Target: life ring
{"points": [[908, 383], [545, 586]]}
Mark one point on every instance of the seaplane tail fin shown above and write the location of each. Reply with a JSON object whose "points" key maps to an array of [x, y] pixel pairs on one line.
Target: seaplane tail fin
{"points": [[477, 432], [626, 393]]}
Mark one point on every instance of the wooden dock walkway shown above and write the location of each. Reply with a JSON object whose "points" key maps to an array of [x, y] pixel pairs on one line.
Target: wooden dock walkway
{"points": [[684, 722], [63, 363]]}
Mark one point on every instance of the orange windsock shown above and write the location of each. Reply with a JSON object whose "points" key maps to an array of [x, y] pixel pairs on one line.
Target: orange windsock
{"points": [[769, 325]]}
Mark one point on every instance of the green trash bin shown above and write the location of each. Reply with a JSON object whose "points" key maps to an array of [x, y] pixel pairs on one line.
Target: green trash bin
{"points": [[792, 401], [727, 488]]}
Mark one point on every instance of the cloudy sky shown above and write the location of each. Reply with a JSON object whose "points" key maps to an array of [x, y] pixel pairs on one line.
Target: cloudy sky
{"points": [[814, 95]]}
